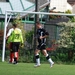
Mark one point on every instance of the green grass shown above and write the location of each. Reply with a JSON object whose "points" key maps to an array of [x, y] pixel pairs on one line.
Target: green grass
{"points": [[28, 69]]}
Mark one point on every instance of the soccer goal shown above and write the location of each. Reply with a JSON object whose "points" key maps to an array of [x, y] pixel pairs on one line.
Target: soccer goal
{"points": [[50, 24]]}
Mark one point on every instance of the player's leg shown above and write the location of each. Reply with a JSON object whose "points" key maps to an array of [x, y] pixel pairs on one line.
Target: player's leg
{"points": [[11, 60], [11, 53], [15, 49], [37, 58], [48, 58], [11, 57], [17, 55], [16, 52]]}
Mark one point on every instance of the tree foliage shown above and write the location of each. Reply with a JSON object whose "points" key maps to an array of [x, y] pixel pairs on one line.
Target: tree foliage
{"points": [[67, 35], [72, 19]]}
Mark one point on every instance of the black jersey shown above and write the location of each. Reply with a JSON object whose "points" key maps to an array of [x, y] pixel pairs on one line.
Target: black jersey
{"points": [[41, 32]]}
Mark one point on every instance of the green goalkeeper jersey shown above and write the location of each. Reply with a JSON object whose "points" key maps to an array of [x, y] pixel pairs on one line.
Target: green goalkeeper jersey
{"points": [[16, 36]]}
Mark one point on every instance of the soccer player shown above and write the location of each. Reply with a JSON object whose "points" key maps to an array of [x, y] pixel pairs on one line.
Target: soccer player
{"points": [[42, 34], [9, 42], [14, 37]]}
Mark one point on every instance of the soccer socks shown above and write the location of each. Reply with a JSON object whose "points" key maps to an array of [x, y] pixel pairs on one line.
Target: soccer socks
{"points": [[51, 62], [15, 60], [49, 59], [37, 59], [16, 55], [11, 60], [11, 57]]}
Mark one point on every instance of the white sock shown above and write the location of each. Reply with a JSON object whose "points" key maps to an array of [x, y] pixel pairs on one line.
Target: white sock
{"points": [[38, 61], [50, 61]]}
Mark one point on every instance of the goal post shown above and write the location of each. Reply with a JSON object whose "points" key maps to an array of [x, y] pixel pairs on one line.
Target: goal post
{"points": [[4, 38], [8, 12]]}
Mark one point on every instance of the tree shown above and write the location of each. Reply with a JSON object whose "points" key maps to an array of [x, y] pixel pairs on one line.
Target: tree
{"points": [[72, 19], [29, 38], [67, 37]]}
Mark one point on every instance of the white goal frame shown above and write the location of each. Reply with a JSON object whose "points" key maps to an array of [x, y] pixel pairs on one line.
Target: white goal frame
{"points": [[8, 12]]}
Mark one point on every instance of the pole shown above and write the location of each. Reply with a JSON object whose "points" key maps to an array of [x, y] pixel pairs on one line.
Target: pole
{"points": [[36, 19], [43, 13], [4, 41]]}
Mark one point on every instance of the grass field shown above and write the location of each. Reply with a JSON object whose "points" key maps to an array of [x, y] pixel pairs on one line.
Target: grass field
{"points": [[28, 69]]}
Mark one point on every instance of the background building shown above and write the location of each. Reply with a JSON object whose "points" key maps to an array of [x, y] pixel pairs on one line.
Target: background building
{"points": [[72, 4]]}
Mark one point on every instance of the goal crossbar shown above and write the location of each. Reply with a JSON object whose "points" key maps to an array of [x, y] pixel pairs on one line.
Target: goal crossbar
{"points": [[44, 13]]}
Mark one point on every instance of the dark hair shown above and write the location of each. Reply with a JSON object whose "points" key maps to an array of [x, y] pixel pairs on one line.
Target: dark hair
{"points": [[37, 22], [15, 25]]}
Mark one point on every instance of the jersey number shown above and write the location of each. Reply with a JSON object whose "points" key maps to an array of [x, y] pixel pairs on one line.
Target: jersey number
{"points": [[17, 36]]}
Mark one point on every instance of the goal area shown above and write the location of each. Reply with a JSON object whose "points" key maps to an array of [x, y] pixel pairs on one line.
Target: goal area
{"points": [[49, 20]]}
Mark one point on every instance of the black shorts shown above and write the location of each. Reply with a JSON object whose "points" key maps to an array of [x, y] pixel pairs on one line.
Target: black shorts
{"points": [[15, 46], [41, 47]]}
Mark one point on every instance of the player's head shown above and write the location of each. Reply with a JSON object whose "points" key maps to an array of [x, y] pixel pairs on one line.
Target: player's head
{"points": [[14, 25], [38, 24]]}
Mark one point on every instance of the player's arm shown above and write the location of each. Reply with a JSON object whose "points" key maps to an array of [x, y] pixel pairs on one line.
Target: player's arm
{"points": [[9, 33], [46, 35]]}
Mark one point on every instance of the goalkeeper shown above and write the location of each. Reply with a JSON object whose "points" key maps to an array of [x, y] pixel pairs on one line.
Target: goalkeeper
{"points": [[15, 37]]}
